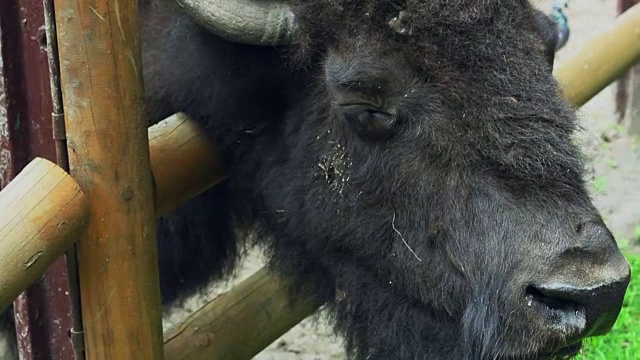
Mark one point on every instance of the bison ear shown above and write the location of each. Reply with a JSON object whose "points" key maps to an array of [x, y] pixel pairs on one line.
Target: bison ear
{"points": [[547, 30]]}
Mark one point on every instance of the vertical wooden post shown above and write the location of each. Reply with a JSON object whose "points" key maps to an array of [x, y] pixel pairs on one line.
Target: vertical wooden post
{"points": [[101, 80], [628, 87]]}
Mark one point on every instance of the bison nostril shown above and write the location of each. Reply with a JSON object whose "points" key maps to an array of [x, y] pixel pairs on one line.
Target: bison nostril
{"points": [[563, 312], [552, 298]]}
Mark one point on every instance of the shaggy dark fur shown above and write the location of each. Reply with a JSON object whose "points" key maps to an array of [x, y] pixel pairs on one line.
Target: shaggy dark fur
{"points": [[548, 31], [410, 159], [420, 174]]}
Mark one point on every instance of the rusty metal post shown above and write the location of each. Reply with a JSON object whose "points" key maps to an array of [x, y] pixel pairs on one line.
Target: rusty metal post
{"points": [[43, 310]]}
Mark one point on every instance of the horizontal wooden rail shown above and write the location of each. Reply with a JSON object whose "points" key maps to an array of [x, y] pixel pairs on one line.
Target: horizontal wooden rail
{"points": [[212, 333], [607, 56], [183, 162], [240, 323], [42, 212]]}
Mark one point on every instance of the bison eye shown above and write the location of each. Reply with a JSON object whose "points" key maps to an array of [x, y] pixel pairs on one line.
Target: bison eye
{"points": [[368, 122]]}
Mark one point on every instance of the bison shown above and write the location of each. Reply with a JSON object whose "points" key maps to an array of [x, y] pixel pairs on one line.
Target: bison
{"points": [[409, 163], [413, 160]]}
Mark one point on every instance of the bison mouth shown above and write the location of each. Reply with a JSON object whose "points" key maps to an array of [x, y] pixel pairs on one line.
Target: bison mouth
{"points": [[559, 324], [563, 316]]}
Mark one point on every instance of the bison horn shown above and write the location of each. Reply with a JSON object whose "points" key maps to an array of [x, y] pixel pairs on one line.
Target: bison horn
{"points": [[253, 22]]}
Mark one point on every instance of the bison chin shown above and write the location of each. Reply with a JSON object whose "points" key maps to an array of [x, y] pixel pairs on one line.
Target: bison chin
{"points": [[379, 324]]}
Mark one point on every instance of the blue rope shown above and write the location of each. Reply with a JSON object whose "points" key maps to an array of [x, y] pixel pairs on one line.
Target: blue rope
{"points": [[562, 22]]}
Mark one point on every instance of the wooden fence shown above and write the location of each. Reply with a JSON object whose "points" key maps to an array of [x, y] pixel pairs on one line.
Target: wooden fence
{"points": [[105, 206]]}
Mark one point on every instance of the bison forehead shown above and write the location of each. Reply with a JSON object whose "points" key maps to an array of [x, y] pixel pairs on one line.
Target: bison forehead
{"points": [[484, 91], [486, 36], [458, 11], [339, 16]]}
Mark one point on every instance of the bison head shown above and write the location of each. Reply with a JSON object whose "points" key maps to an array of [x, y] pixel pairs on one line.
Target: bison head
{"points": [[425, 172]]}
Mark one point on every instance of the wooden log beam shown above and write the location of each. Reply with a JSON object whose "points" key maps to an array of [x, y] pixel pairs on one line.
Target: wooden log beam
{"points": [[107, 140], [177, 140], [602, 60], [42, 212], [238, 324], [25, 227], [183, 161]]}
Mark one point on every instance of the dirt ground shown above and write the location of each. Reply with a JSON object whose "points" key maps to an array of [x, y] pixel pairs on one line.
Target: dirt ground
{"points": [[615, 178]]}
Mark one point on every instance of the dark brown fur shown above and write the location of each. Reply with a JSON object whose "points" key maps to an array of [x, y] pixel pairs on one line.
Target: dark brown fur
{"points": [[429, 227], [430, 234]]}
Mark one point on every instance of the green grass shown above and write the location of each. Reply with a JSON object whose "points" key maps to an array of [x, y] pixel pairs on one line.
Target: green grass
{"points": [[623, 342], [599, 184]]}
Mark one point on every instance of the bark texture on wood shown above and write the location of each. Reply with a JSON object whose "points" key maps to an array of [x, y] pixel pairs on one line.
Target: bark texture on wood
{"points": [[240, 323], [101, 80], [183, 161], [42, 212]]}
